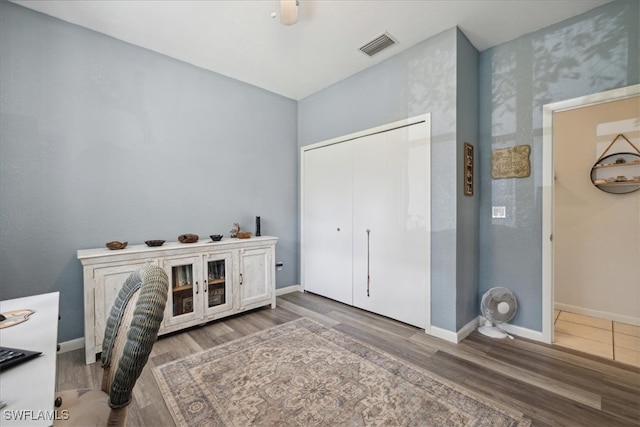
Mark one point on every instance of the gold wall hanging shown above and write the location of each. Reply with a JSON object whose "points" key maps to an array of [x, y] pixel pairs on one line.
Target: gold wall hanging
{"points": [[512, 162]]}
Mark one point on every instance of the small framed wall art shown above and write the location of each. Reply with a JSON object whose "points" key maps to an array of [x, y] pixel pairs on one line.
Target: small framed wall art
{"points": [[468, 169], [512, 162]]}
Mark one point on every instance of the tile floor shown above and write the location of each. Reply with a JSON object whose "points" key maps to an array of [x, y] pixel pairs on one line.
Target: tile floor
{"points": [[605, 338]]}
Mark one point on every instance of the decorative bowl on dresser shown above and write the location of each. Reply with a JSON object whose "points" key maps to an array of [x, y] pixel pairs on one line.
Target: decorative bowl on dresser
{"points": [[188, 238], [115, 245]]}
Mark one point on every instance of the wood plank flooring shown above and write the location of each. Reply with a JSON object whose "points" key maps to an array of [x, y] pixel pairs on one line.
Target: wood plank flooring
{"points": [[551, 385]]}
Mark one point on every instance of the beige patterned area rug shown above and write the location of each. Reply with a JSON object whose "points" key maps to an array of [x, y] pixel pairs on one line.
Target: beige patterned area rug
{"points": [[304, 374]]}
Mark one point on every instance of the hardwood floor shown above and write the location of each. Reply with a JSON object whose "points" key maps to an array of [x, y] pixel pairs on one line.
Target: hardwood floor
{"points": [[551, 385]]}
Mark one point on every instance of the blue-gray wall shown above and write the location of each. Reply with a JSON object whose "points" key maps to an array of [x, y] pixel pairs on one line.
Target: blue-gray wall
{"points": [[468, 258], [101, 140], [422, 79], [588, 54]]}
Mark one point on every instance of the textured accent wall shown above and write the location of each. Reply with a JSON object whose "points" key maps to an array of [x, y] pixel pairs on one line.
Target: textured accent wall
{"points": [[102, 140], [591, 53], [468, 258]]}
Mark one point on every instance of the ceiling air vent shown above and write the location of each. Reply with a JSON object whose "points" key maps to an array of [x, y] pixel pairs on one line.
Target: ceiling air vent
{"points": [[381, 42]]}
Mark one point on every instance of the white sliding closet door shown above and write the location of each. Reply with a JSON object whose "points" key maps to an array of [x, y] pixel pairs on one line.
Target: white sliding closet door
{"points": [[366, 220], [327, 222], [391, 245]]}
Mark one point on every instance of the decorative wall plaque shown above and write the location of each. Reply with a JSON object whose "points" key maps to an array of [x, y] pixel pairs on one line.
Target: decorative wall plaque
{"points": [[511, 162], [468, 169]]}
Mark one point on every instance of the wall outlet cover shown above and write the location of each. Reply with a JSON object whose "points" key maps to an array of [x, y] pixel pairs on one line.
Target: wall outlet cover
{"points": [[498, 212]]}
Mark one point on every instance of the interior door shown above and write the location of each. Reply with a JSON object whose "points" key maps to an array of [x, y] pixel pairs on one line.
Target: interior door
{"points": [[327, 217], [390, 222]]}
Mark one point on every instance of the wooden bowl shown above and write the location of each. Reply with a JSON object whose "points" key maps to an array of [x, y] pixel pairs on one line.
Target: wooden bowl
{"points": [[243, 234], [216, 237], [114, 245], [188, 238], [152, 243]]}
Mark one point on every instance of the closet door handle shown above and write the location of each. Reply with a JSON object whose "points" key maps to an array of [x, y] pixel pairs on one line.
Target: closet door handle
{"points": [[368, 261], [197, 288], [241, 278]]}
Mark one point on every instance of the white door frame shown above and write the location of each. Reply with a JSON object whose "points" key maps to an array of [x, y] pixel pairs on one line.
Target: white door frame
{"points": [[547, 190]]}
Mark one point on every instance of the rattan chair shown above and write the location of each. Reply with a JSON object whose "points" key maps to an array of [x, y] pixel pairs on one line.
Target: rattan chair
{"points": [[132, 329]]}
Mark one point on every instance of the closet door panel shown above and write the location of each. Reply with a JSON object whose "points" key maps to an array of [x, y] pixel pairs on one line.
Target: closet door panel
{"points": [[390, 200], [327, 222]]}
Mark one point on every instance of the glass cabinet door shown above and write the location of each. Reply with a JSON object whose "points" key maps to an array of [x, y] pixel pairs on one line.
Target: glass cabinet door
{"points": [[184, 290], [182, 276], [218, 283]]}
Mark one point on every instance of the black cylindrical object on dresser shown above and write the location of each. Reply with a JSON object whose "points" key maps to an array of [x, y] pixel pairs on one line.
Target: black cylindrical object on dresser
{"points": [[257, 226]]}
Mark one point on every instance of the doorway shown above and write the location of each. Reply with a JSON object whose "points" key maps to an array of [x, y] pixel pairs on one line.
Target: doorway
{"points": [[552, 146]]}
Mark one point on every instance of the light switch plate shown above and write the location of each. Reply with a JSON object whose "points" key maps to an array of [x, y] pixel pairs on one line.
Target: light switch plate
{"points": [[499, 212]]}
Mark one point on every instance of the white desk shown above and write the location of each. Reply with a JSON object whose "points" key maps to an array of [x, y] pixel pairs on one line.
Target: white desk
{"points": [[29, 388]]}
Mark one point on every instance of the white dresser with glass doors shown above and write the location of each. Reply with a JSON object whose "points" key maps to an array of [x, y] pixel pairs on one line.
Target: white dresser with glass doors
{"points": [[207, 280], [366, 220]]}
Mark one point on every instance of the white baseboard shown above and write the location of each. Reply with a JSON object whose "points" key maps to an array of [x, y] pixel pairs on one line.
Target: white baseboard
{"points": [[522, 332], [517, 330], [597, 313], [468, 328], [288, 290], [71, 345], [454, 337], [443, 334]]}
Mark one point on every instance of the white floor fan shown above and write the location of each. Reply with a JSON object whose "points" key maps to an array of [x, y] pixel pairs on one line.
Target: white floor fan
{"points": [[498, 305]]}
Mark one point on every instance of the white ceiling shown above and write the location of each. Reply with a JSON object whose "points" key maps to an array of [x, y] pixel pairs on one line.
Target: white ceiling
{"points": [[239, 39]]}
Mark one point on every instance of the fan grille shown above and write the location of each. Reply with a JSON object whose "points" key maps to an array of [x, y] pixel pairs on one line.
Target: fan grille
{"points": [[491, 301]]}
